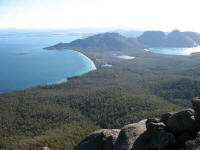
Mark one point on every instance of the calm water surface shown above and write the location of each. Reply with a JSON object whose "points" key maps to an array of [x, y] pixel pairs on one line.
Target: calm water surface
{"points": [[24, 64], [175, 51]]}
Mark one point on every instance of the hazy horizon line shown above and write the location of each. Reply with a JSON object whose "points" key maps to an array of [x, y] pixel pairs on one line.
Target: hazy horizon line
{"points": [[92, 28]]}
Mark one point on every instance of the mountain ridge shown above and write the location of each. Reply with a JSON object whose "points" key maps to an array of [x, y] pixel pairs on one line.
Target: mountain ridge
{"points": [[108, 41], [174, 39], [111, 41]]}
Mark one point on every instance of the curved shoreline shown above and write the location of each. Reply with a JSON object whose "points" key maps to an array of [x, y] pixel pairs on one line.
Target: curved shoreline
{"points": [[63, 80], [66, 78], [185, 51], [91, 62]]}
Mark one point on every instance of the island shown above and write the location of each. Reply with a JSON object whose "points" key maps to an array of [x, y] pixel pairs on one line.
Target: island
{"points": [[22, 53]]}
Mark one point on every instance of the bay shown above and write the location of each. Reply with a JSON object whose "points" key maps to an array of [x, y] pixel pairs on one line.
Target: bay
{"points": [[175, 51], [25, 64]]}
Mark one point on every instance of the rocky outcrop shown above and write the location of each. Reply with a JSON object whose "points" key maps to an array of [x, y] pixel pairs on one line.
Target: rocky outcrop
{"points": [[130, 135], [99, 140], [196, 105], [166, 116], [183, 121], [168, 132], [156, 136]]}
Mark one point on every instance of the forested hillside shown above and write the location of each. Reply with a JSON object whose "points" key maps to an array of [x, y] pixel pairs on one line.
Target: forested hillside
{"points": [[105, 42], [59, 116]]}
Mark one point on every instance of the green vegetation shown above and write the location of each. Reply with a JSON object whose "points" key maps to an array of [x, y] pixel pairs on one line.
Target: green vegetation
{"points": [[183, 88], [192, 144], [59, 116], [62, 137], [107, 41], [33, 122]]}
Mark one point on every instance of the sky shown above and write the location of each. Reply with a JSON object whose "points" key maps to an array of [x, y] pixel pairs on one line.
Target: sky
{"points": [[163, 15]]}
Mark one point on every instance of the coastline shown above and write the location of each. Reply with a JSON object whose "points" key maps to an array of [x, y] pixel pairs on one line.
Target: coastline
{"points": [[185, 51], [91, 62], [66, 78]]}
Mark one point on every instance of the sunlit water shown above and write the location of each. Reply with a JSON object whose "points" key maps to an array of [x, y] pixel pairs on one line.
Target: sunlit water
{"points": [[125, 57], [24, 64], [175, 51]]}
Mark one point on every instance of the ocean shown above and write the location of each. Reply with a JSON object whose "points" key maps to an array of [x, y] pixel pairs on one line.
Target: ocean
{"points": [[25, 64]]}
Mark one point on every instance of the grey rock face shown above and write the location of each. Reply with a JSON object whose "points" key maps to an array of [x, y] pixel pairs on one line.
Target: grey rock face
{"points": [[129, 135], [182, 121], [196, 105], [144, 135], [160, 142], [169, 132], [198, 134], [154, 127], [183, 137], [103, 139], [156, 136], [166, 116]]}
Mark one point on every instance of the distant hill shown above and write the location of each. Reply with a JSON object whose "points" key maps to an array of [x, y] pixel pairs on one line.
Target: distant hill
{"points": [[115, 41], [129, 33], [194, 36], [179, 39], [105, 41], [153, 38], [173, 39]]}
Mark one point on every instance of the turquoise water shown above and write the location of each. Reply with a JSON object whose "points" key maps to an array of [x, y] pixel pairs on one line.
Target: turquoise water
{"points": [[175, 51], [24, 64]]}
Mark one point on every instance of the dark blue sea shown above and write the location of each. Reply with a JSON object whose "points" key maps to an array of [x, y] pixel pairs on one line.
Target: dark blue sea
{"points": [[24, 64]]}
